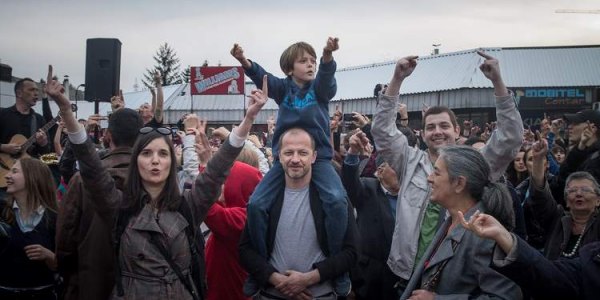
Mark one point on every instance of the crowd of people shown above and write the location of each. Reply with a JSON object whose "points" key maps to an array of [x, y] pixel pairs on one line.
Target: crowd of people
{"points": [[448, 210]]}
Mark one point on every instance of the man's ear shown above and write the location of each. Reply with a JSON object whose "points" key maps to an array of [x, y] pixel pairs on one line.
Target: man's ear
{"points": [[314, 158]]}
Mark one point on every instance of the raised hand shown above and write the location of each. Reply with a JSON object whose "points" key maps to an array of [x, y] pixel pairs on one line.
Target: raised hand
{"points": [[487, 227], [556, 125], [336, 120], [238, 53], [545, 126], [201, 125], [271, 124], [257, 99], [528, 136], [359, 120], [490, 67], [93, 121], [332, 44], [405, 66], [157, 78], [202, 146], [55, 90], [190, 121], [359, 143], [41, 138], [587, 135], [539, 150], [403, 110], [117, 102]]}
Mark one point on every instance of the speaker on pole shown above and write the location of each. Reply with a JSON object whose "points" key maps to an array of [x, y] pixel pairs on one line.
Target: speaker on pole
{"points": [[102, 69]]}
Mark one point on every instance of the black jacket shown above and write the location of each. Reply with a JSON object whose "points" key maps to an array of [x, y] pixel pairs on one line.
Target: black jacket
{"points": [[333, 266], [371, 277]]}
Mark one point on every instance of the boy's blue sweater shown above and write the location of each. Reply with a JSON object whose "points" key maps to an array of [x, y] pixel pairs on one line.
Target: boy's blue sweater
{"points": [[306, 107]]}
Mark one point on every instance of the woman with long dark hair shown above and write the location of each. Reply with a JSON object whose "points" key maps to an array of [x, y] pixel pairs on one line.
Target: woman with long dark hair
{"points": [[28, 219], [457, 261], [155, 223]]}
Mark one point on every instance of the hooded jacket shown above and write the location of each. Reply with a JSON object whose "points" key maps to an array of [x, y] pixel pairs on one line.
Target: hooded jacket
{"points": [[225, 276]]}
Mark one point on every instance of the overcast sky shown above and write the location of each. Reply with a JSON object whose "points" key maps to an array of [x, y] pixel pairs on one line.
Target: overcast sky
{"points": [[36, 33]]}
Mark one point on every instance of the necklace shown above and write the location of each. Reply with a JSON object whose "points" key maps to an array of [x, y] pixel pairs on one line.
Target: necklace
{"points": [[574, 250]]}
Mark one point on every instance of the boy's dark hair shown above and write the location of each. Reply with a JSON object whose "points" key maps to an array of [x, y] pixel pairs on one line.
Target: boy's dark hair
{"points": [[19, 84], [124, 125], [289, 55], [435, 110]]}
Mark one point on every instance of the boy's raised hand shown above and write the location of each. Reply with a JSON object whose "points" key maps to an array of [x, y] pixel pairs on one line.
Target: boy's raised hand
{"points": [[332, 44], [238, 53]]}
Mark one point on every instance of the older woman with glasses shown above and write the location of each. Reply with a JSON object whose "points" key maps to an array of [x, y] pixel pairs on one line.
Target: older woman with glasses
{"points": [[457, 263], [155, 224], [571, 228]]}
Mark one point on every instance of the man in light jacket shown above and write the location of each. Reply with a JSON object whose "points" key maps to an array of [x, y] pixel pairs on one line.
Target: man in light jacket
{"points": [[417, 219]]}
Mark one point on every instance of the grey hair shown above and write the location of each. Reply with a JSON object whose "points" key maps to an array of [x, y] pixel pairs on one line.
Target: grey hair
{"points": [[469, 163], [583, 175]]}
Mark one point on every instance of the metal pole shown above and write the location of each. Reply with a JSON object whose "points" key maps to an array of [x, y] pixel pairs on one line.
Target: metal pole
{"points": [[76, 98]]}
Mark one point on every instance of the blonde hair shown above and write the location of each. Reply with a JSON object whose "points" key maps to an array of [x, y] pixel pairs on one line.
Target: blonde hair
{"points": [[248, 156]]}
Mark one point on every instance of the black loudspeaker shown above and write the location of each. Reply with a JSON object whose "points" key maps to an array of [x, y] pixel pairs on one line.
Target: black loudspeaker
{"points": [[102, 69], [5, 73]]}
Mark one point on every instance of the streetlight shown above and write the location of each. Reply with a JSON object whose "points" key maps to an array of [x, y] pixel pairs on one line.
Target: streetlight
{"points": [[76, 93]]}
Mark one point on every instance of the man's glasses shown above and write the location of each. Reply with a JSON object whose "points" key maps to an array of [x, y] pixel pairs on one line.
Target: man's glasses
{"points": [[583, 190], [161, 130]]}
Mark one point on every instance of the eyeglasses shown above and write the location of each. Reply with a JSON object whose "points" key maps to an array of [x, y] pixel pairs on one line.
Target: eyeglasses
{"points": [[161, 130], [583, 190]]}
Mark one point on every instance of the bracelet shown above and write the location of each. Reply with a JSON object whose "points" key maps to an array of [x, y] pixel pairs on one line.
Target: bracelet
{"points": [[405, 119]]}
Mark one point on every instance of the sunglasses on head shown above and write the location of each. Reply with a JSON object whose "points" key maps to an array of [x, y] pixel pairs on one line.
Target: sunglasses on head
{"points": [[161, 130]]}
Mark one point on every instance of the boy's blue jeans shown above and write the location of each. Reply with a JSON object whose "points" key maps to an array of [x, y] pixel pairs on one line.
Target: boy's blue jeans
{"points": [[333, 198]]}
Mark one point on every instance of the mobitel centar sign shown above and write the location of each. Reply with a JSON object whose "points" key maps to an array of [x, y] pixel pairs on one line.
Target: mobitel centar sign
{"points": [[550, 97], [217, 80]]}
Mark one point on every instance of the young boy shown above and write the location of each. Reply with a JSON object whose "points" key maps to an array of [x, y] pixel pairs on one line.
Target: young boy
{"points": [[303, 100]]}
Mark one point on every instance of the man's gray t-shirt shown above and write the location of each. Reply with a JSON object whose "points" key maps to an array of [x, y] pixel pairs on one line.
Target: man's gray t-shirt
{"points": [[296, 245]]}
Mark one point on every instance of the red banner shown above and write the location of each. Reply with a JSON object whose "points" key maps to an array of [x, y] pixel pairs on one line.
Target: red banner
{"points": [[217, 80]]}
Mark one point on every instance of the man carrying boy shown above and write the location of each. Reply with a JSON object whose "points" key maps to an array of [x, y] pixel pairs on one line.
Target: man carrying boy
{"points": [[303, 98]]}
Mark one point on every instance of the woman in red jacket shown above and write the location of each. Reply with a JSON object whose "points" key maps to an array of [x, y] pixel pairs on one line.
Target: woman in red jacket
{"points": [[226, 220]]}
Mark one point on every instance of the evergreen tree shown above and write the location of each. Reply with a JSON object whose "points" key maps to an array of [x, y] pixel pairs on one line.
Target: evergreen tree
{"points": [[185, 75], [167, 64]]}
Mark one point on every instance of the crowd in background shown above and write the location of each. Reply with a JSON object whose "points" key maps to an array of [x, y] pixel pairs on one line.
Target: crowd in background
{"points": [[447, 210]]}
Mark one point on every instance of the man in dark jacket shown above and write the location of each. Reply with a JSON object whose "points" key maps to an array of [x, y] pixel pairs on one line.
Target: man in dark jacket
{"points": [[299, 263], [375, 202], [83, 239], [584, 137]]}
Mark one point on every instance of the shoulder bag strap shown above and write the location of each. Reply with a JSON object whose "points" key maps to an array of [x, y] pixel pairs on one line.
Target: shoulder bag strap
{"points": [[185, 280]]}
